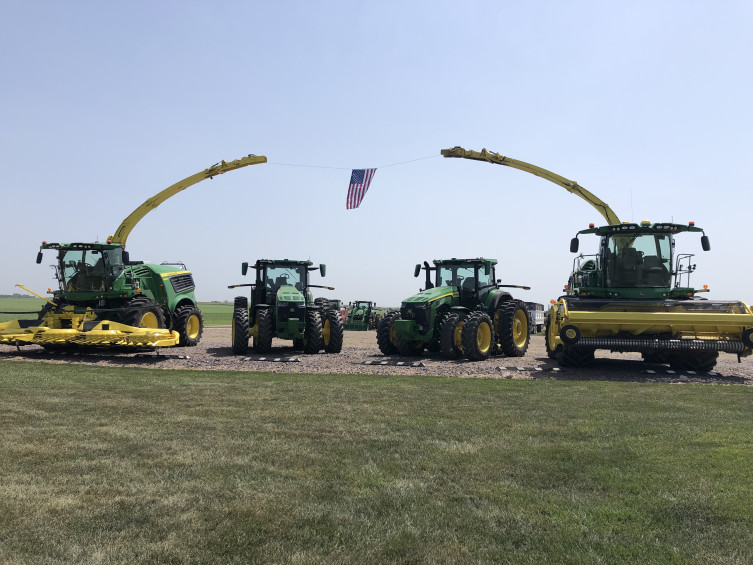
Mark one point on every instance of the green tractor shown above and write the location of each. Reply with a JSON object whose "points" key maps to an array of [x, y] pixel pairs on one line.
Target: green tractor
{"points": [[462, 313], [282, 307], [101, 278], [360, 316]]}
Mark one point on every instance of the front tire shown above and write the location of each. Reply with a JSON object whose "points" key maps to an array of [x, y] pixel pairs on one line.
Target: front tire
{"points": [[143, 313], [693, 360], [266, 331], [450, 336], [550, 333], [386, 338], [189, 323], [240, 331], [312, 335]]}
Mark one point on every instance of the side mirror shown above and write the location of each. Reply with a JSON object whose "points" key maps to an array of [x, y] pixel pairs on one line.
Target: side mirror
{"points": [[417, 271], [323, 270], [39, 258], [244, 268], [126, 257], [574, 244], [705, 243]]}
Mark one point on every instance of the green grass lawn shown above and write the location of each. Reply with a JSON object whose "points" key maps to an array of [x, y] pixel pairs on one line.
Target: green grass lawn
{"points": [[109, 465]]}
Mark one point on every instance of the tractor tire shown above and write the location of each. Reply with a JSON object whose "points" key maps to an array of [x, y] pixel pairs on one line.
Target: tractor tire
{"points": [[549, 334], [298, 344], [263, 341], [450, 336], [332, 332], [386, 338], [571, 357], [189, 323], [240, 302], [693, 360], [143, 312], [513, 328], [409, 348], [312, 335], [478, 336], [659, 357], [240, 330]]}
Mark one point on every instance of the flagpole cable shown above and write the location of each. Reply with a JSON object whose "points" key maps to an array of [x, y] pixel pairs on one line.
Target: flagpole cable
{"points": [[350, 168]]}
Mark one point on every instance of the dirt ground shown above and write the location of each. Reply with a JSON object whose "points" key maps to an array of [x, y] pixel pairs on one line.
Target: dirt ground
{"points": [[360, 348]]}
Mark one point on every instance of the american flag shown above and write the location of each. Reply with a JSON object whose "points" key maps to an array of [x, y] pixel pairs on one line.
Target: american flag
{"points": [[360, 180]]}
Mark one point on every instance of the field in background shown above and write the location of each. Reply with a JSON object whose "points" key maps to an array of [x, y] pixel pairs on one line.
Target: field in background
{"points": [[129, 465]]}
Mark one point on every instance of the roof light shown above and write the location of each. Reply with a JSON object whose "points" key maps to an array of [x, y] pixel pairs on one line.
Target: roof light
{"points": [[645, 223], [691, 223], [706, 287], [591, 225]]}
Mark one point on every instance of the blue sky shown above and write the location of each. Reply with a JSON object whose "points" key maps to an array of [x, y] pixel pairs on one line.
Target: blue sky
{"points": [[646, 104]]}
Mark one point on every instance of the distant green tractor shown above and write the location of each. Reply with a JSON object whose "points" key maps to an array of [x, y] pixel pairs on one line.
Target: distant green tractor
{"points": [[360, 316], [462, 313], [282, 307]]}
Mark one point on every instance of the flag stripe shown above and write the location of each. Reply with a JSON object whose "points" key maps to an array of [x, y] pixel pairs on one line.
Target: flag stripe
{"points": [[360, 179]]}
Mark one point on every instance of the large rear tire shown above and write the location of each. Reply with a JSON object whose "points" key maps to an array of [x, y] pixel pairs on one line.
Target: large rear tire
{"points": [[143, 312], [478, 336], [513, 328], [189, 323], [450, 336], [263, 340], [312, 335], [332, 332], [386, 338]]}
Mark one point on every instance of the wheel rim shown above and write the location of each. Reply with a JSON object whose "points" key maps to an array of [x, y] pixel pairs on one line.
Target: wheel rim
{"points": [[458, 335], [520, 328], [149, 320], [326, 332], [484, 337], [193, 326], [393, 335]]}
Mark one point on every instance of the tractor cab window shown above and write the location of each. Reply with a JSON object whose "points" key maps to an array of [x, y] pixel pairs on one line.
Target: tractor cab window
{"points": [[639, 261], [457, 276], [83, 270], [277, 276]]}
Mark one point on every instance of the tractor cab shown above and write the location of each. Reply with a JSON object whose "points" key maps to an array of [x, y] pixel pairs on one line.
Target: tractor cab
{"points": [[86, 268], [634, 261], [284, 280], [472, 279]]}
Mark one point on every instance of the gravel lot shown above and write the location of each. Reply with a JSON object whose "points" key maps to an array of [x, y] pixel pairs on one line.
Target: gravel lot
{"points": [[213, 353]]}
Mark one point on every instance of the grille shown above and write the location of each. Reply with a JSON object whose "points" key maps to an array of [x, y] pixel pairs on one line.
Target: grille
{"points": [[182, 283]]}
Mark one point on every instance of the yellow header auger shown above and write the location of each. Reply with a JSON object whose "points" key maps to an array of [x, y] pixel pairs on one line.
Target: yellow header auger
{"points": [[635, 293], [105, 299]]}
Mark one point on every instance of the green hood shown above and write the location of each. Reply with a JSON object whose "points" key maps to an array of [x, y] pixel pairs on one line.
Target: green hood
{"points": [[432, 294], [289, 294]]}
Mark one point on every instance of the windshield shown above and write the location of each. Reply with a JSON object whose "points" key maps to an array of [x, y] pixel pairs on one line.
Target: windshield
{"points": [[280, 275], [641, 261], [362, 304], [90, 269], [461, 276]]}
